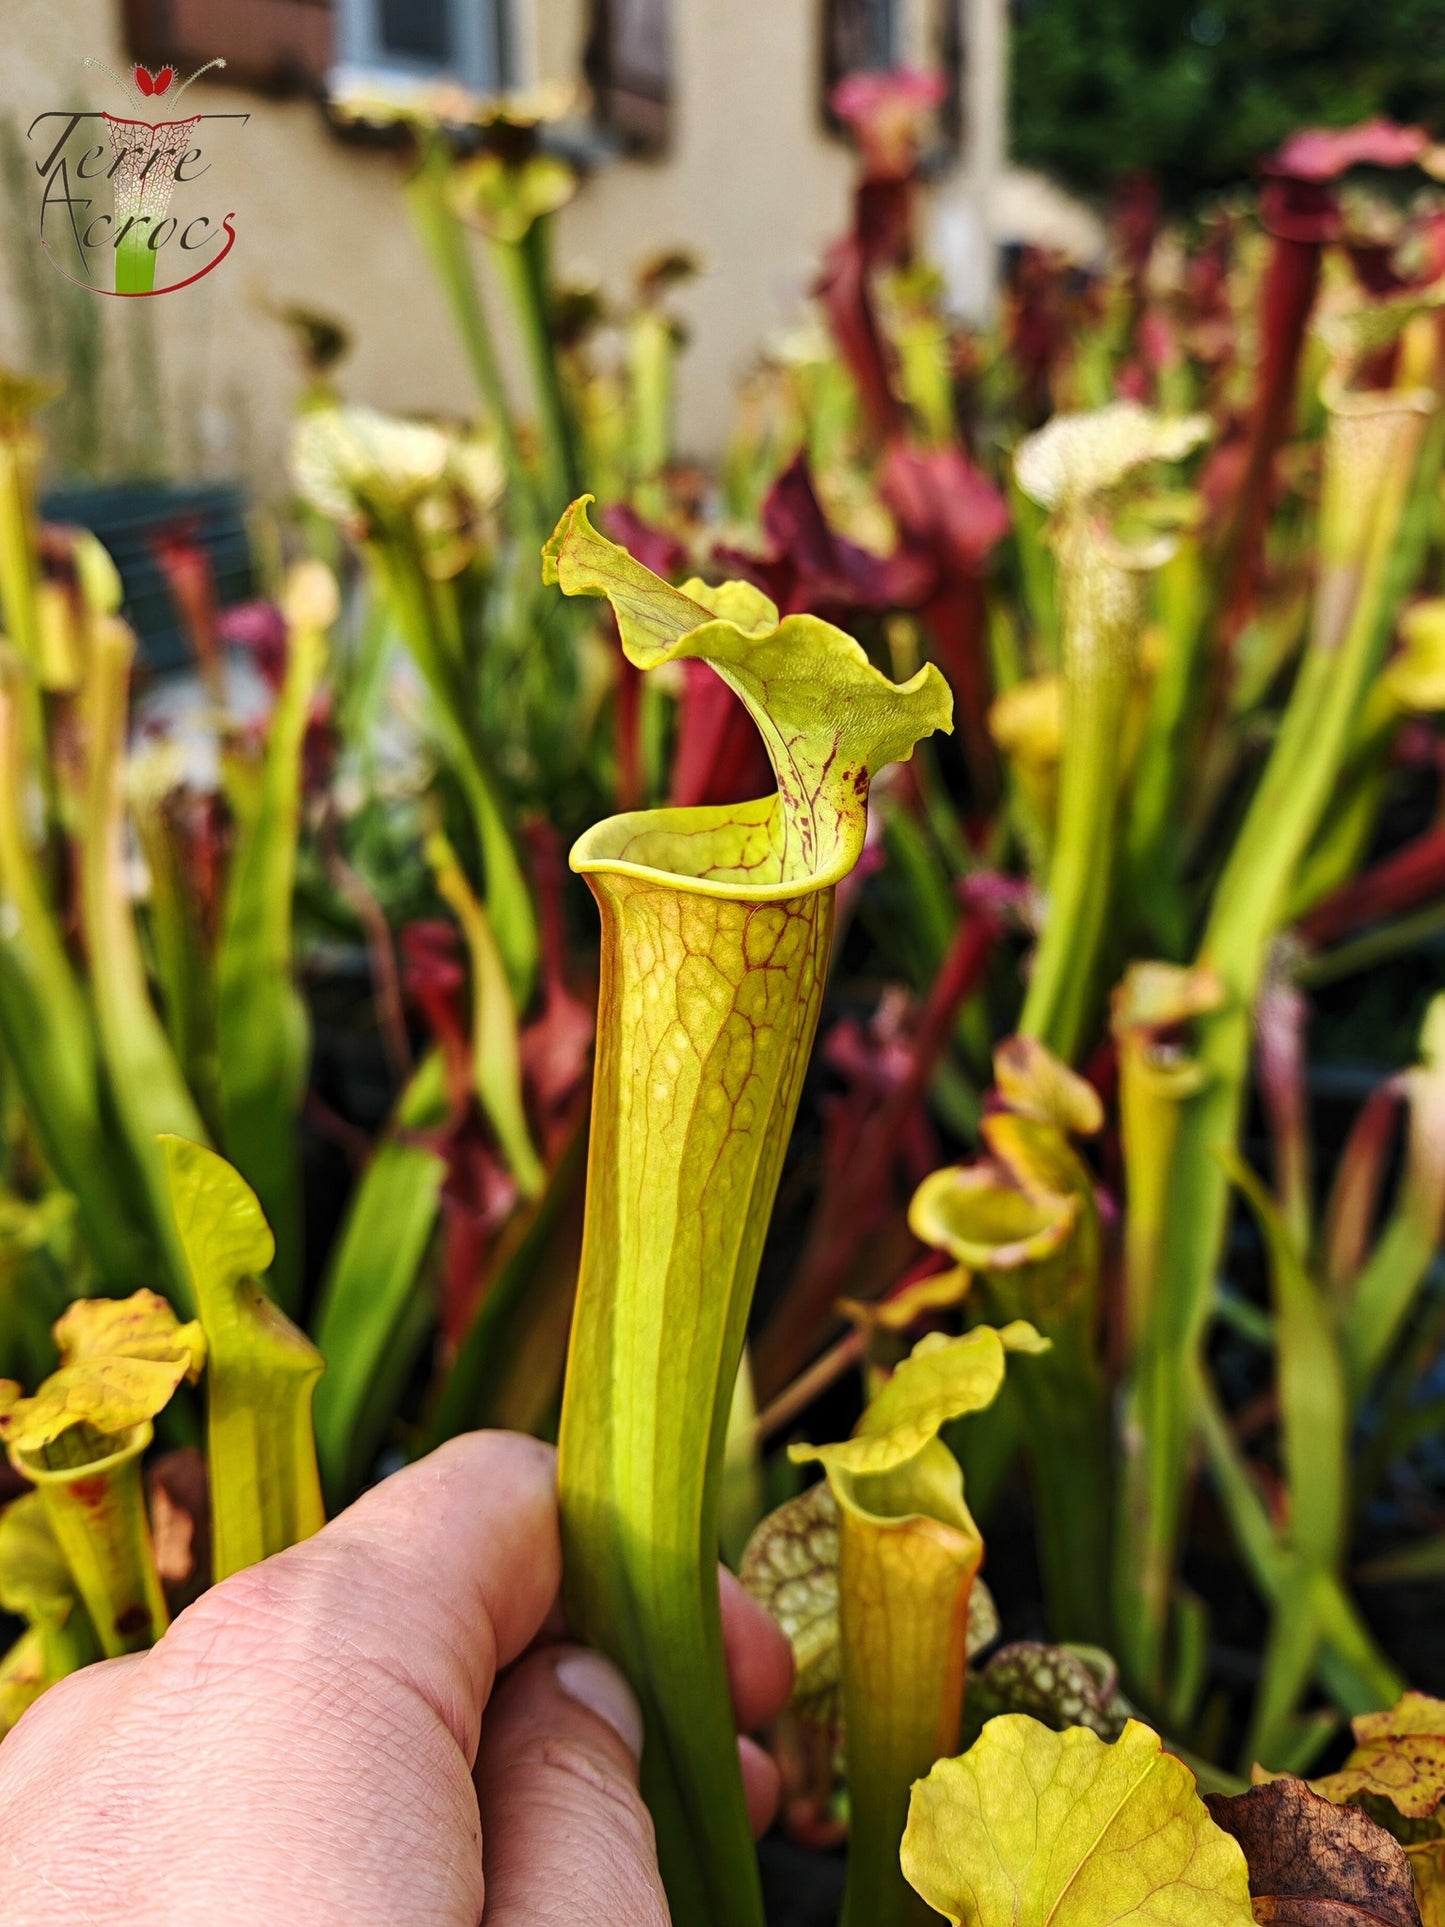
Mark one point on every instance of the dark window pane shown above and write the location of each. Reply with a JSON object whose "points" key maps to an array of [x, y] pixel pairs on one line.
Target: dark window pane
{"points": [[629, 64], [862, 34], [416, 30]]}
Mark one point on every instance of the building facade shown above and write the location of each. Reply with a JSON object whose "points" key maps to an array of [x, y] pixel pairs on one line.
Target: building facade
{"points": [[707, 131]]}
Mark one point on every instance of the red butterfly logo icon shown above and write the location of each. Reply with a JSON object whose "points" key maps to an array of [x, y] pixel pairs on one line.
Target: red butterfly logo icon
{"points": [[150, 83]]}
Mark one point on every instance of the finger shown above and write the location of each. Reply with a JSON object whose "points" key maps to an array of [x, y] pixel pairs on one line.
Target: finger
{"points": [[437, 1578], [759, 1658], [762, 1785], [299, 1746], [565, 1835]]}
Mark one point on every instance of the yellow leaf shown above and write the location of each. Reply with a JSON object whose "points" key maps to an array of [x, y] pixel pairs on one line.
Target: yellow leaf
{"points": [[110, 1395], [936, 1292], [141, 1326], [1399, 1756], [941, 1380], [1036, 1084], [1427, 1870], [827, 717], [1032, 1828]]}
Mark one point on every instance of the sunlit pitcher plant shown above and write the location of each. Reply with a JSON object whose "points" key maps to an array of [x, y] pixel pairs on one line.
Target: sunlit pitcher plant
{"points": [[716, 927]]}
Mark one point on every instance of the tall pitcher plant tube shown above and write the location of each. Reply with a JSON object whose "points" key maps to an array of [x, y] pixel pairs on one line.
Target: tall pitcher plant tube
{"points": [[1081, 468], [1154, 1010], [1378, 461], [716, 924]]}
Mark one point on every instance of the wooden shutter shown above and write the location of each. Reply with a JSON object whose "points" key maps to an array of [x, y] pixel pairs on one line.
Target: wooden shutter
{"points": [[282, 46]]}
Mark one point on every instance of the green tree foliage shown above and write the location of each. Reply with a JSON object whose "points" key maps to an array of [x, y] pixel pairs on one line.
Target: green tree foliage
{"points": [[1196, 93]]}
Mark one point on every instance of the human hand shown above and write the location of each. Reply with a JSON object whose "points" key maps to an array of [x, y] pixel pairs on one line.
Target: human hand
{"points": [[347, 1733]]}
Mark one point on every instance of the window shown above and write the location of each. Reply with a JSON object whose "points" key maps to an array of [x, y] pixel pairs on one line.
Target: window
{"points": [[874, 36], [629, 68], [464, 40]]}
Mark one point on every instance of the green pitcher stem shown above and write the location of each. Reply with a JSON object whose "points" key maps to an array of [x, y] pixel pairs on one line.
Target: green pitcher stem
{"points": [[261, 1372], [525, 272], [98, 1515], [1066, 1423], [1372, 462], [147, 1087], [445, 240], [674, 1230], [428, 629], [45, 1021], [1104, 605]]}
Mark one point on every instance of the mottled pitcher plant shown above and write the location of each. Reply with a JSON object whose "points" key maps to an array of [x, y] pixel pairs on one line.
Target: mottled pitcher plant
{"points": [[716, 926]]}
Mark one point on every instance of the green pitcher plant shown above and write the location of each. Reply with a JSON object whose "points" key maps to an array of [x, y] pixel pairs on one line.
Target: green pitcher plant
{"points": [[1086, 470], [716, 925], [261, 1371], [1382, 456], [79, 1441], [1022, 1222], [908, 1555]]}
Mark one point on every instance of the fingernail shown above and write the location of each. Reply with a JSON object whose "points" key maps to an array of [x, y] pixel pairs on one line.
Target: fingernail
{"points": [[594, 1682]]}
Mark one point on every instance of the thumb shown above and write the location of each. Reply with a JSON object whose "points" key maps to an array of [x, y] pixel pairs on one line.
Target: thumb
{"points": [[565, 1835]]}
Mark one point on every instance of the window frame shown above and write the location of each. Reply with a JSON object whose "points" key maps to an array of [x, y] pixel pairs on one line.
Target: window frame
{"points": [[481, 33]]}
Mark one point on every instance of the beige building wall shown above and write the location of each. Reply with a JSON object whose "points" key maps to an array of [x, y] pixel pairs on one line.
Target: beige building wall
{"points": [[751, 182]]}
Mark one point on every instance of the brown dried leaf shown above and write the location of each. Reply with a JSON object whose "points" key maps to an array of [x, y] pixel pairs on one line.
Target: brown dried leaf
{"points": [[1314, 1864], [180, 1509]]}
